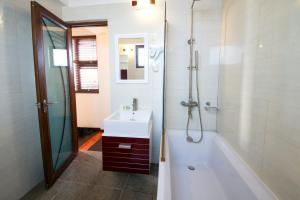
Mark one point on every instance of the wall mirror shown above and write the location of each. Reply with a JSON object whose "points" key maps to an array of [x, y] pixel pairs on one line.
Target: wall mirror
{"points": [[132, 58]]}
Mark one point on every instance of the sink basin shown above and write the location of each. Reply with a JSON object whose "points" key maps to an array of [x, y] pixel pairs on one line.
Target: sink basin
{"points": [[136, 124]]}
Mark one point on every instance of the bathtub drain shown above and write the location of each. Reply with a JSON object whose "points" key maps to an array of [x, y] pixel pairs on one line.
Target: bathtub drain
{"points": [[190, 167]]}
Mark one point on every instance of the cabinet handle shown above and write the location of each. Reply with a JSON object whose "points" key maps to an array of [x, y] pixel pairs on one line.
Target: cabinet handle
{"points": [[124, 146]]}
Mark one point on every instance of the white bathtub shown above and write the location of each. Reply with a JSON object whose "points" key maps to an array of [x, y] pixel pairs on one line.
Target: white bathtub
{"points": [[219, 172]]}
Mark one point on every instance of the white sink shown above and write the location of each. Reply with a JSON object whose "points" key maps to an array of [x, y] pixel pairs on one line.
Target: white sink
{"points": [[129, 124]]}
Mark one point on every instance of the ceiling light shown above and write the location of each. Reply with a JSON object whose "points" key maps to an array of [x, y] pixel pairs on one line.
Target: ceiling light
{"points": [[140, 4]]}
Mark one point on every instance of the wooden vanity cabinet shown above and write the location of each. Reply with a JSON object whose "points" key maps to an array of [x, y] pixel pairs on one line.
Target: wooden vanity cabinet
{"points": [[126, 154]]}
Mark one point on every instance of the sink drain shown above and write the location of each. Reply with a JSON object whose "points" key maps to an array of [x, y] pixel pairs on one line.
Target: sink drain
{"points": [[190, 167]]}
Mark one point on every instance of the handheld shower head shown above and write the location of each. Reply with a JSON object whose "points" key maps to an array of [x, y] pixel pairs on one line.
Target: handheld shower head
{"points": [[189, 139]]}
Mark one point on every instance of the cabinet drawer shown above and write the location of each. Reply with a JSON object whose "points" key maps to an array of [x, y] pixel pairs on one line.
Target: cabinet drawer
{"points": [[117, 144], [107, 139], [125, 155], [125, 159], [126, 165], [125, 169], [120, 150]]}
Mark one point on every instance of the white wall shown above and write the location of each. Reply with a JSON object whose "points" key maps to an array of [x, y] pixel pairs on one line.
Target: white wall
{"points": [[259, 89], [93, 108], [20, 150], [207, 26], [123, 19]]}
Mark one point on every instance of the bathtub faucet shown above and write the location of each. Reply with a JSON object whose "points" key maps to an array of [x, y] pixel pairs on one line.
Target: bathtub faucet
{"points": [[134, 105], [189, 104]]}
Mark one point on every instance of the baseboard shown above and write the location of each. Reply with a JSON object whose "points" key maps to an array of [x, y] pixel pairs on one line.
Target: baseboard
{"points": [[88, 130]]}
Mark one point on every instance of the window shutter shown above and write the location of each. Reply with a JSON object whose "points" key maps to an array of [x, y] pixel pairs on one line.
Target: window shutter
{"points": [[85, 64]]}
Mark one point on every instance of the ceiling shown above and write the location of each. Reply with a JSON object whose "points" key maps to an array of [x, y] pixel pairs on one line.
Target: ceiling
{"points": [[199, 5], [74, 3]]}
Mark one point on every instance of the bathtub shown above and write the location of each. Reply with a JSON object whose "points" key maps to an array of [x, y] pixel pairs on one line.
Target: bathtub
{"points": [[219, 174]]}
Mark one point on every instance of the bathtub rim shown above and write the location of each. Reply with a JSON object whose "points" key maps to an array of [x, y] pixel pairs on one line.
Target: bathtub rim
{"points": [[246, 173], [249, 176]]}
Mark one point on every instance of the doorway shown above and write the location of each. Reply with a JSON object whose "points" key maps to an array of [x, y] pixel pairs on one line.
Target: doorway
{"points": [[91, 77]]}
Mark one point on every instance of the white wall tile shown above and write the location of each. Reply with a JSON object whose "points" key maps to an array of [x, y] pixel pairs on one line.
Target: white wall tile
{"points": [[20, 150], [207, 26], [259, 89]]}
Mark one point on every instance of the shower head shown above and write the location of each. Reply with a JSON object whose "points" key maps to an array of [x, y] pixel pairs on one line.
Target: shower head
{"points": [[194, 3]]}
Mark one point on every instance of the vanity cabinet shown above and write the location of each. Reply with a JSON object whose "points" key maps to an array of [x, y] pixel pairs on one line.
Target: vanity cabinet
{"points": [[126, 154]]}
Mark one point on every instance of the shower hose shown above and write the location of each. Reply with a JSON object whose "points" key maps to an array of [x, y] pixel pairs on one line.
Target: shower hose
{"points": [[189, 138]]}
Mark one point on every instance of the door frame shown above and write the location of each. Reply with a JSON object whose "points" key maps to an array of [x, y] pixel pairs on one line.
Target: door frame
{"points": [[38, 12], [77, 24], [82, 24]]}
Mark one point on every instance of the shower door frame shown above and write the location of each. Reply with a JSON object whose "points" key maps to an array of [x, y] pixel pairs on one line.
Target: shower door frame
{"points": [[37, 12]]}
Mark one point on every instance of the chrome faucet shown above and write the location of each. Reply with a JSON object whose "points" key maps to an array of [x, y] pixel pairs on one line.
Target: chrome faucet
{"points": [[134, 104]]}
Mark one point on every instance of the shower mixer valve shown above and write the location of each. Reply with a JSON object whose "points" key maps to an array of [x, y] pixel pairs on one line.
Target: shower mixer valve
{"points": [[189, 104], [190, 41], [193, 67]]}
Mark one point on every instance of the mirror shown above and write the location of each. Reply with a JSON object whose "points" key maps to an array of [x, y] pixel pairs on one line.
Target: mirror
{"points": [[132, 58]]}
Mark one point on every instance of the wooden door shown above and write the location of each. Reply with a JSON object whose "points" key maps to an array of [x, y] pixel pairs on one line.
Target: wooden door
{"points": [[55, 91]]}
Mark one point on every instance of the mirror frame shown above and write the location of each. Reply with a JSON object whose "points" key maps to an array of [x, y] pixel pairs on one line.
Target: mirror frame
{"points": [[117, 57]]}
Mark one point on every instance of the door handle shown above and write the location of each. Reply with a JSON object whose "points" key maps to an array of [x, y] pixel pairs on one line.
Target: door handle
{"points": [[52, 103], [38, 105], [46, 104], [124, 146]]}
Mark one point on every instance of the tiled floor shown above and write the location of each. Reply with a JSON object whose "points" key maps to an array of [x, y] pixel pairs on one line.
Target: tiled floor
{"points": [[84, 179]]}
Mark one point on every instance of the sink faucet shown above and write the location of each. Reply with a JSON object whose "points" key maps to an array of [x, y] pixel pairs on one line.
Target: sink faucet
{"points": [[134, 104]]}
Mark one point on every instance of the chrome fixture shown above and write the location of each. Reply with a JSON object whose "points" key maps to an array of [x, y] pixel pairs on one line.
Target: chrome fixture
{"points": [[210, 108], [38, 105], [124, 146], [142, 3], [134, 105], [190, 104], [192, 168]]}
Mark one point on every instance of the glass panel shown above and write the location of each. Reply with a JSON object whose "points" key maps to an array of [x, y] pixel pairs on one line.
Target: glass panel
{"points": [[57, 84]]}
